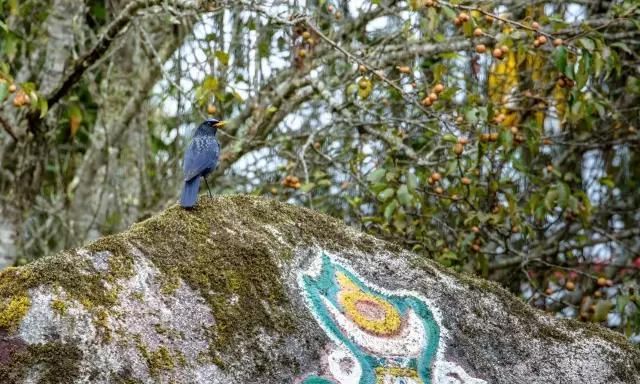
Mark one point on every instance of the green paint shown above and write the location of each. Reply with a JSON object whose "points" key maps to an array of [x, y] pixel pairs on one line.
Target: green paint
{"points": [[325, 286]]}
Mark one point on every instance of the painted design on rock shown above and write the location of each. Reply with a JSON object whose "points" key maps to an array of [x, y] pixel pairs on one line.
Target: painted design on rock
{"points": [[379, 336]]}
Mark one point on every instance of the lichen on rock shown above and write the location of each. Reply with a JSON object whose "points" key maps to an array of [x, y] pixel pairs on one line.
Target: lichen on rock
{"points": [[212, 295]]}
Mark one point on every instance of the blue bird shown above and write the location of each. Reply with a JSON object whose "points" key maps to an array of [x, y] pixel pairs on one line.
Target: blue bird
{"points": [[200, 159]]}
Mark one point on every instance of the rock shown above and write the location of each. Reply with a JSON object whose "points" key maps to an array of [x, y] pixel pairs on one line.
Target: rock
{"points": [[248, 290]]}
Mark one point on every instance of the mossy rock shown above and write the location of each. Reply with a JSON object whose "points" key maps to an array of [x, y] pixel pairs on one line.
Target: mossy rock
{"points": [[223, 294]]}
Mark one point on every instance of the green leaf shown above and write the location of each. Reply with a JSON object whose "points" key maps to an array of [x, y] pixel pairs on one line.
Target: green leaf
{"points": [[272, 109], [560, 58], [563, 194], [587, 43], [450, 138], [306, 187], [390, 209], [449, 12], [550, 198], [44, 107], [404, 196], [4, 90], [607, 181], [223, 57], [386, 194], [412, 182], [376, 175]]}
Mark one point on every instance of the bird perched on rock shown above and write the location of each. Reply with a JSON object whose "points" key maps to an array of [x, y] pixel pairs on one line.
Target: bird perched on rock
{"points": [[200, 159]]}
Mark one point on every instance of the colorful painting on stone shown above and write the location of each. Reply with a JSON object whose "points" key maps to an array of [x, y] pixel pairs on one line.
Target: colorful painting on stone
{"points": [[378, 336]]}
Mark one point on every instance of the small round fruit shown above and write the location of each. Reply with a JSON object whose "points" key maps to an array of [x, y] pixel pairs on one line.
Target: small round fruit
{"points": [[477, 32], [602, 281], [514, 130], [426, 101], [561, 83], [458, 149], [542, 39], [211, 109], [536, 43], [484, 137], [535, 25], [500, 118], [550, 168], [504, 49], [362, 68], [457, 22], [330, 8], [570, 286], [459, 120], [557, 42], [464, 17], [475, 247], [438, 88], [497, 53], [338, 15], [475, 229], [439, 190], [436, 176], [403, 69], [481, 48], [493, 136], [12, 88], [433, 96], [465, 180], [274, 191], [463, 140], [306, 35], [302, 53]]}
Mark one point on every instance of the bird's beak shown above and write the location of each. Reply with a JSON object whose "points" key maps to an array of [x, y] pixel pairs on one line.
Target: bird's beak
{"points": [[221, 124]]}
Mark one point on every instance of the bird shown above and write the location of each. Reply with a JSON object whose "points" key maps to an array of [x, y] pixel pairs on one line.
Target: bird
{"points": [[200, 159]]}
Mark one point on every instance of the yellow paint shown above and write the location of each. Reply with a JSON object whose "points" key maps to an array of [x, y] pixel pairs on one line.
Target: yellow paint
{"points": [[383, 373], [350, 295]]}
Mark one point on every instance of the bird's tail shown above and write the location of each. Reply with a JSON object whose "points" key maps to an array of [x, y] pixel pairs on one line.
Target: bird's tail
{"points": [[190, 193]]}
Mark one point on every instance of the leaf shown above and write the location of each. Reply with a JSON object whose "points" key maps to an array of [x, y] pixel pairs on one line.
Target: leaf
{"points": [[44, 107], [222, 56], [560, 58], [449, 12], [450, 138], [75, 119], [563, 194], [376, 175], [607, 181], [386, 194], [272, 109], [306, 187], [390, 209], [4, 90], [404, 197], [587, 43], [412, 182], [550, 198]]}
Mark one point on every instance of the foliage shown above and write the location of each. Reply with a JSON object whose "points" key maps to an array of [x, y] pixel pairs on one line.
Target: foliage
{"points": [[498, 138]]}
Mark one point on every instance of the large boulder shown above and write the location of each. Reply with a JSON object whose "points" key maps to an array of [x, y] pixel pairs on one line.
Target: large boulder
{"points": [[249, 290]]}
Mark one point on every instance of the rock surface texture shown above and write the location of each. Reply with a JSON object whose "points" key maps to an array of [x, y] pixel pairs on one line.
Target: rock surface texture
{"points": [[248, 290]]}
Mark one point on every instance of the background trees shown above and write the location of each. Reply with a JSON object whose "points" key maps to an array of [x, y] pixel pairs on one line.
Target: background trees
{"points": [[496, 137]]}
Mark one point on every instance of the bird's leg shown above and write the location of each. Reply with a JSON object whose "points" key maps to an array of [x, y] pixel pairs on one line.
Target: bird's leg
{"points": [[207, 184]]}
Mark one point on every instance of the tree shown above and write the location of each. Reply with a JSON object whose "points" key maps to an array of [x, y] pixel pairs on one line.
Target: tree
{"points": [[497, 138]]}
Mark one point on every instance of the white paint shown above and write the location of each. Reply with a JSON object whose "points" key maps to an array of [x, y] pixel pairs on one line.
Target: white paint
{"points": [[408, 343], [442, 369], [336, 359]]}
